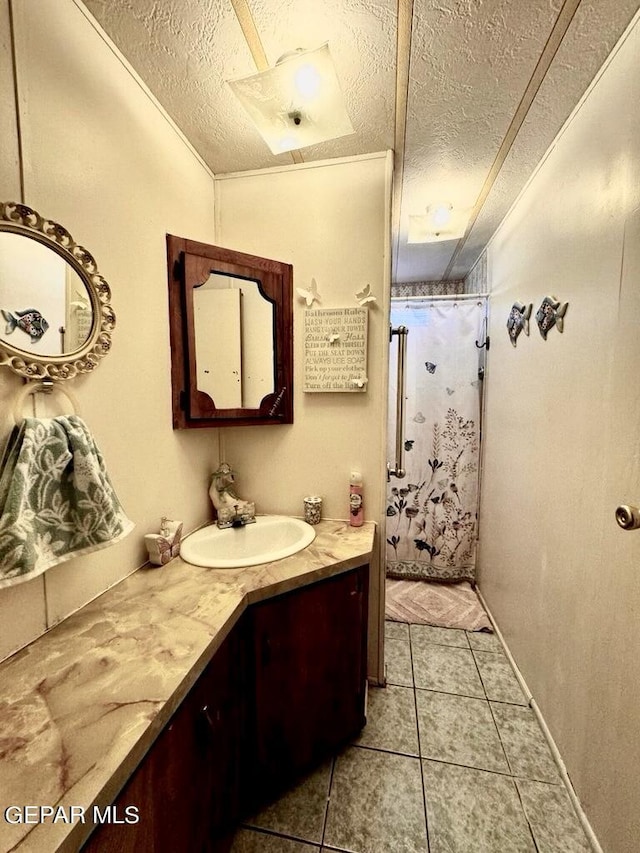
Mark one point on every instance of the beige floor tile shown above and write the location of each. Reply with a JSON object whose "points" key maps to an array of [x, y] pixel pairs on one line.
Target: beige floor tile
{"points": [[446, 669], [391, 720], [397, 656], [527, 750], [376, 803], [499, 679], [301, 811], [459, 730], [554, 823], [472, 811], [421, 634], [485, 642], [396, 630]]}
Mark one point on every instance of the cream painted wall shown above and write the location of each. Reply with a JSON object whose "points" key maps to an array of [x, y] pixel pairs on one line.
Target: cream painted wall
{"points": [[103, 160], [331, 221], [9, 173], [561, 447]]}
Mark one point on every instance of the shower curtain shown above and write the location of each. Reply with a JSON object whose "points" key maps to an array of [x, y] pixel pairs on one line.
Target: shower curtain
{"points": [[432, 513]]}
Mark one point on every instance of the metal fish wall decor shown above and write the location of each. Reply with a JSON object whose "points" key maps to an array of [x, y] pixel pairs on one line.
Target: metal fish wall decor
{"points": [[30, 321], [518, 320], [549, 314]]}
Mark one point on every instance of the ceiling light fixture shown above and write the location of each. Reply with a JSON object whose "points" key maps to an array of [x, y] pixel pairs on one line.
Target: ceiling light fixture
{"points": [[296, 103], [441, 222], [440, 214]]}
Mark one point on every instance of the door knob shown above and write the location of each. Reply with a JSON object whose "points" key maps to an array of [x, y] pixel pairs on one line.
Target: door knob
{"points": [[628, 517]]}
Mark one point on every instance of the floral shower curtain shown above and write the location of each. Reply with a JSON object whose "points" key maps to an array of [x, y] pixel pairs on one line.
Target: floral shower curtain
{"points": [[432, 513]]}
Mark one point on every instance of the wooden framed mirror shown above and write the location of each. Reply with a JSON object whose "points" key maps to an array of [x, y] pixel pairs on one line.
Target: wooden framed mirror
{"points": [[231, 320]]}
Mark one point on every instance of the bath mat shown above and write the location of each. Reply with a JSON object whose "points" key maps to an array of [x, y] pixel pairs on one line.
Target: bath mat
{"points": [[442, 605]]}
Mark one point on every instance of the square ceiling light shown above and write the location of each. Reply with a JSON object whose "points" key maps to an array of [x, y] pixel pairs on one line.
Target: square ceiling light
{"points": [[296, 103], [441, 222]]}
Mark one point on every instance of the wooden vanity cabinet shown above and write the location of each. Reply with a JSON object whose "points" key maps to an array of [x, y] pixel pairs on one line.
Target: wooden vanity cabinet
{"points": [[309, 681], [282, 693]]}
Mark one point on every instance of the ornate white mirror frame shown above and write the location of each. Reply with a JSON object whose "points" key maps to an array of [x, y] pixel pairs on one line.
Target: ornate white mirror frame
{"points": [[22, 220]]}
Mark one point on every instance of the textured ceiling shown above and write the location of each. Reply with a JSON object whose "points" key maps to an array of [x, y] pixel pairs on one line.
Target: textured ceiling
{"points": [[473, 119]]}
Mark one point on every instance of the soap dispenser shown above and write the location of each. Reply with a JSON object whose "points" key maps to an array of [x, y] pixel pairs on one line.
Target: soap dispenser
{"points": [[356, 506], [165, 545]]}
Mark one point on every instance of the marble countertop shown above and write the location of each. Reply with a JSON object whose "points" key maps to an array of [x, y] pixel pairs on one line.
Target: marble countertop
{"points": [[81, 705]]}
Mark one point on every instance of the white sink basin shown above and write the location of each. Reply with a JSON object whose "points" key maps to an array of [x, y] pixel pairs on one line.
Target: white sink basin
{"points": [[272, 537]]}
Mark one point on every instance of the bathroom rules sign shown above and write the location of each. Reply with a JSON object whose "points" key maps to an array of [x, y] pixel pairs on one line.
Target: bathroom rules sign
{"points": [[335, 349]]}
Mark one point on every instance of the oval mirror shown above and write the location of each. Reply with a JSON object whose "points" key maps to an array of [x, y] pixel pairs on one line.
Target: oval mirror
{"points": [[56, 318]]}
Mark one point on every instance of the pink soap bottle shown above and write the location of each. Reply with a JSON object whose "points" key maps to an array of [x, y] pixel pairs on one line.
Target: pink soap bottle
{"points": [[356, 504]]}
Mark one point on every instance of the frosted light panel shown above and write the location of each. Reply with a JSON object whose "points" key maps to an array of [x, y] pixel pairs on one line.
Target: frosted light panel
{"points": [[442, 222], [297, 103]]}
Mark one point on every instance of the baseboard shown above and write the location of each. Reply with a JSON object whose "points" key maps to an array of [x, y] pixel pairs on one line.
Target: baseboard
{"points": [[584, 821]]}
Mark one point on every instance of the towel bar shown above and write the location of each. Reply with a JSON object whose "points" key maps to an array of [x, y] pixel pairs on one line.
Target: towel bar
{"points": [[398, 469], [44, 386]]}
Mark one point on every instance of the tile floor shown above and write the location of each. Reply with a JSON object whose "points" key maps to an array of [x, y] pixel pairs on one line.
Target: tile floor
{"points": [[451, 760]]}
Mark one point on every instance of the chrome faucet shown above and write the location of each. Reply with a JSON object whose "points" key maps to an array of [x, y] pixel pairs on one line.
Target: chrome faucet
{"points": [[241, 516]]}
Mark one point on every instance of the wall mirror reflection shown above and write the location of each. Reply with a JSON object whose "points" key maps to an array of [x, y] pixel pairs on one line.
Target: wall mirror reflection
{"points": [[231, 336], [235, 366], [56, 318], [45, 304]]}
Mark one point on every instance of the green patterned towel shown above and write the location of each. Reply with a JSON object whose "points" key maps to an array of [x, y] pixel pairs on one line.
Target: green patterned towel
{"points": [[56, 499]]}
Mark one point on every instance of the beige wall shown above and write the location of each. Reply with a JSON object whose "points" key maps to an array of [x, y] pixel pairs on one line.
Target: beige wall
{"points": [[562, 433], [330, 220], [9, 172], [104, 161]]}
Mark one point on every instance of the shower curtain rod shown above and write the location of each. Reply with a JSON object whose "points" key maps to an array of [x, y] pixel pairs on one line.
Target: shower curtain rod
{"points": [[442, 296]]}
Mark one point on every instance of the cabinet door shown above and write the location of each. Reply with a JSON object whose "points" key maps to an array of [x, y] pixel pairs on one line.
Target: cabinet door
{"points": [[219, 702], [187, 787], [129, 838], [166, 789], [310, 661]]}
